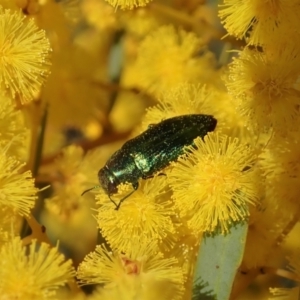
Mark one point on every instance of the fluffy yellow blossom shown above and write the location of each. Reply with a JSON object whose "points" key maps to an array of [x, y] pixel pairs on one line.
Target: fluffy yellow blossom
{"points": [[17, 190], [280, 163], [186, 251], [74, 173], [71, 10], [145, 216], [168, 57], [32, 273], [215, 184], [24, 52], [259, 21], [71, 89], [183, 99], [265, 226], [140, 21], [144, 276], [12, 128], [128, 4], [10, 224], [264, 87], [230, 121], [199, 99], [99, 14], [13, 4]]}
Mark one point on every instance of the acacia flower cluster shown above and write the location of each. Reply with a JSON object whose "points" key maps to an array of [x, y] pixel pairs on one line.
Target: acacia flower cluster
{"points": [[146, 216], [167, 57], [260, 22], [183, 99], [245, 172], [215, 184], [73, 174], [127, 4], [17, 188], [13, 131], [24, 51], [141, 275], [34, 273], [265, 87]]}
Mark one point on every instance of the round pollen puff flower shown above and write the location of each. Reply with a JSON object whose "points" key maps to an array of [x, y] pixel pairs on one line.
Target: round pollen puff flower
{"points": [[145, 216], [17, 190], [280, 164], [180, 100], [12, 128], [260, 20], [71, 10], [214, 184], [140, 22], [99, 14], [127, 4], [24, 52], [168, 57], [144, 276], [75, 172], [33, 272], [264, 227], [264, 86]]}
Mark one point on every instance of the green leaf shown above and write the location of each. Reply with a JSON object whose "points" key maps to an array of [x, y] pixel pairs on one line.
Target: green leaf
{"points": [[218, 260]]}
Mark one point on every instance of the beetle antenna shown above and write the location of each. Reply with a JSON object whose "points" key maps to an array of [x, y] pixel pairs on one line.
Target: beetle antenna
{"points": [[95, 187]]}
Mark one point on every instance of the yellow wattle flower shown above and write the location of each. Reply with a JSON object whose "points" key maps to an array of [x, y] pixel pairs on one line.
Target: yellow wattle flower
{"points": [[17, 190], [261, 22], [214, 185], [264, 86], [75, 172], [12, 128], [183, 99], [144, 217], [168, 57], [127, 4], [24, 53], [99, 14], [141, 276], [33, 273]]}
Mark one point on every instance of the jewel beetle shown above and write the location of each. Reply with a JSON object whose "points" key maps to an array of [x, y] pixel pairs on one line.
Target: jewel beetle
{"points": [[152, 151]]}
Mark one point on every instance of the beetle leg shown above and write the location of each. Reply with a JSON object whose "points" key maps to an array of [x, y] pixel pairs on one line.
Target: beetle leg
{"points": [[151, 176], [135, 187], [114, 202]]}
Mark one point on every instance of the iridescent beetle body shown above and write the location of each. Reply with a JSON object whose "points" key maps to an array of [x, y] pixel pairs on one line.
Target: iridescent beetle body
{"points": [[152, 151]]}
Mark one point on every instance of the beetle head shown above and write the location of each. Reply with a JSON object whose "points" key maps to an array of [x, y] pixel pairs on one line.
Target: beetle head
{"points": [[108, 181]]}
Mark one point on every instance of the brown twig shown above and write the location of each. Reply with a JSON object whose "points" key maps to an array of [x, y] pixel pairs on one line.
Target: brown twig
{"points": [[114, 87], [35, 111], [38, 232], [288, 228], [88, 145]]}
